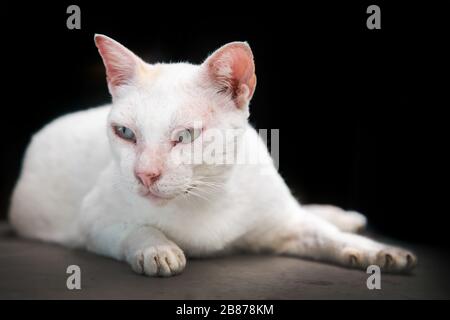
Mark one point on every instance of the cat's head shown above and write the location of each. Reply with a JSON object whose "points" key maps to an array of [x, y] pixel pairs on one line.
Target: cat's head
{"points": [[162, 113]]}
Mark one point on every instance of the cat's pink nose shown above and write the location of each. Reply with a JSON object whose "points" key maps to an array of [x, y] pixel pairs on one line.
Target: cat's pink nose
{"points": [[148, 178]]}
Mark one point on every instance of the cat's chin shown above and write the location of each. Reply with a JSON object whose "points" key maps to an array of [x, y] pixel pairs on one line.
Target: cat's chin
{"points": [[156, 198]]}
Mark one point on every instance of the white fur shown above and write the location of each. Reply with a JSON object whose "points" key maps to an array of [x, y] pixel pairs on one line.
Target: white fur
{"points": [[77, 186]]}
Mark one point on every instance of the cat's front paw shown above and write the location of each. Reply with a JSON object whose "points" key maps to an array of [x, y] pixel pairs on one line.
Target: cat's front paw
{"points": [[162, 260], [390, 259]]}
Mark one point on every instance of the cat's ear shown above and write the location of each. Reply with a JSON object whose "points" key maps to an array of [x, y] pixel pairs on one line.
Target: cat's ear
{"points": [[232, 71], [121, 64]]}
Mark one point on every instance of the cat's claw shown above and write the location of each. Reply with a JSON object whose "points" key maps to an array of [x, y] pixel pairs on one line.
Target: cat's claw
{"points": [[389, 259], [163, 261], [395, 260]]}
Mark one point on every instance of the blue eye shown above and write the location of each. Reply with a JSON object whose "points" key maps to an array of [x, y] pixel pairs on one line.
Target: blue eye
{"points": [[187, 135], [125, 133]]}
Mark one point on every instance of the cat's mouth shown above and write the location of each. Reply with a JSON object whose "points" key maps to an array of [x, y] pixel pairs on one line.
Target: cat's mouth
{"points": [[154, 196]]}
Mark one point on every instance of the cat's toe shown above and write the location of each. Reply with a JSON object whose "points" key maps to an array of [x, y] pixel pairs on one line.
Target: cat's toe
{"points": [[389, 259], [395, 260], [354, 258], [164, 261]]}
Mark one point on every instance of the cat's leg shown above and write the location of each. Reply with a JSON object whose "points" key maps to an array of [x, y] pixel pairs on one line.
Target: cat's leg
{"points": [[108, 228], [348, 221], [145, 248], [309, 236]]}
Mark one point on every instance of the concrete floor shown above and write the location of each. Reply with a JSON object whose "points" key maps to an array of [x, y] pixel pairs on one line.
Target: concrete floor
{"points": [[31, 270]]}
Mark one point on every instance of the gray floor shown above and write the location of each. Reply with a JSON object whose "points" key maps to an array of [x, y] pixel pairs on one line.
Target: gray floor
{"points": [[30, 270]]}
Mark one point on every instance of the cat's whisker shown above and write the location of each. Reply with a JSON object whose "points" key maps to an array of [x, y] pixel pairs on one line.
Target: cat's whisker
{"points": [[211, 189], [217, 186], [210, 184], [210, 193], [207, 187], [199, 189], [211, 179], [197, 195]]}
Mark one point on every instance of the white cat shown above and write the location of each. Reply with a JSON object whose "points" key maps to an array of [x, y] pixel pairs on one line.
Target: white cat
{"points": [[105, 179]]}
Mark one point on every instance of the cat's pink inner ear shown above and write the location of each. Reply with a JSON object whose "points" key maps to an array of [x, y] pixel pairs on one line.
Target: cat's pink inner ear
{"points": [[121, 64], [232, 70]]}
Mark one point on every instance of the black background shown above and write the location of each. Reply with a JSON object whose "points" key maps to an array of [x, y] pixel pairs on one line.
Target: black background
{"points": [[360, 112]]}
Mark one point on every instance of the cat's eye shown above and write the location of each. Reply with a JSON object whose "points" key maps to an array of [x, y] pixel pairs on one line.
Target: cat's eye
{"points": [[186, 135], [125, 133]]}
